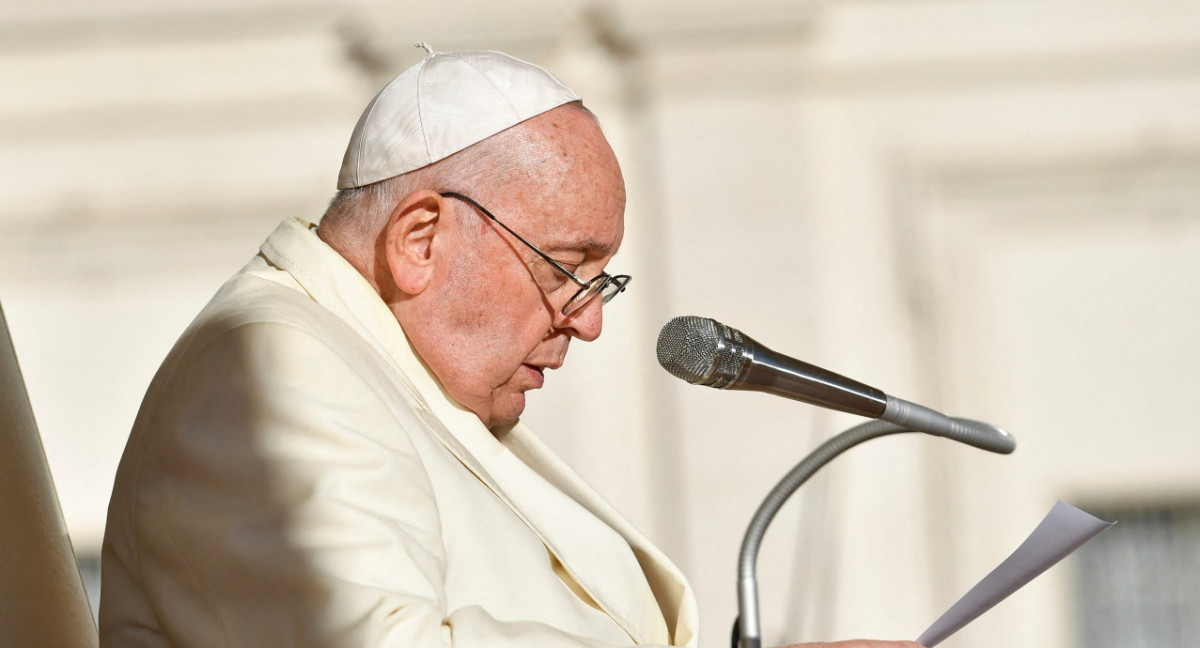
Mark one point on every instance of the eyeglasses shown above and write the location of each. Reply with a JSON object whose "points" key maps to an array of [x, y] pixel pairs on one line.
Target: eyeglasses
{"points": [[605, 285]]}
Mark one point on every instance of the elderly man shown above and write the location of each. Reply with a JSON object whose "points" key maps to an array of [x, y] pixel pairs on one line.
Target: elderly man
{"points": [[332, 454]]}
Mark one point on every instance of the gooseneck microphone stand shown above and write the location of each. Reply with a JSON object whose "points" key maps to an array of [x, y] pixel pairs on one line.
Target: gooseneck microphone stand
{"points": [[703, 351], [746, 630]]}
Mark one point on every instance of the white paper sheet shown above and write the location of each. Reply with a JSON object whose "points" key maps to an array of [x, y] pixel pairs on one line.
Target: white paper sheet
{"points": [[1063, 530]]}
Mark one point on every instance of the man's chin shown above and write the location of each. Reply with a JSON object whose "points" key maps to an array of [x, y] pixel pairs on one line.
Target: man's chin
{"points": [[506, 412]]}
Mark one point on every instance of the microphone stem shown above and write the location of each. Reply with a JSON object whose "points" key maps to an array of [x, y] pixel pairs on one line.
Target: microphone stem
{"points": [[749, 634]]}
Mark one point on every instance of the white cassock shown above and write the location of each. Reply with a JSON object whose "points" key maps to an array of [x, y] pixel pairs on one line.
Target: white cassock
{"points": [[297, 477]]}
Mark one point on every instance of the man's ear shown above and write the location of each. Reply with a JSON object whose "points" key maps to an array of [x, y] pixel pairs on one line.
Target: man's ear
{"points": [[411, 240]]}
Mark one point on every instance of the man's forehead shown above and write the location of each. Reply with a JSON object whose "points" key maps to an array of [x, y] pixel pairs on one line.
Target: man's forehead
{"points": [[569, 233], [565, 186]]}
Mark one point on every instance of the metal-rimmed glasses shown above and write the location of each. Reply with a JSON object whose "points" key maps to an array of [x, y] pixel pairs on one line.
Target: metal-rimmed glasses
{"points": [[605, 285]]}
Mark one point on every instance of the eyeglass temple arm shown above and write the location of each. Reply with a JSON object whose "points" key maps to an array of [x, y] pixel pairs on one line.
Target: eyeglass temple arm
{"points": [[579, 282]]}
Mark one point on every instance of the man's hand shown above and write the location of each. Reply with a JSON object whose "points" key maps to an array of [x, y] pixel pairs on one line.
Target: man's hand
{"points": [[858, 643]]}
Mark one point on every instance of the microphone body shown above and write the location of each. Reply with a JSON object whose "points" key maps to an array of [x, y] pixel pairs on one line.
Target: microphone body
{"points": [[703, 351], [740, 362]]}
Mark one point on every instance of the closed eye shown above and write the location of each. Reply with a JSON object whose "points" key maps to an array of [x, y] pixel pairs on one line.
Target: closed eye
{"points": [[551, 278]]}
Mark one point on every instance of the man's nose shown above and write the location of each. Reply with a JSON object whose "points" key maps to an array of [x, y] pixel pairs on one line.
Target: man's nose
{"points": [[586, 322]]}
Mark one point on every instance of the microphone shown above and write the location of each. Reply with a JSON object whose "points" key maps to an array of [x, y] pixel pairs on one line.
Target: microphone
{"points": [[704, 351]]}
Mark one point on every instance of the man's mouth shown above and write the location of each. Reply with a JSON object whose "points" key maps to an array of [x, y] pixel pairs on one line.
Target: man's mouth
{"points": [[538, 374]]}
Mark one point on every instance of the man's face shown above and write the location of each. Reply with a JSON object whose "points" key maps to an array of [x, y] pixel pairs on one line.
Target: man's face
{"points": [[497, 324]]}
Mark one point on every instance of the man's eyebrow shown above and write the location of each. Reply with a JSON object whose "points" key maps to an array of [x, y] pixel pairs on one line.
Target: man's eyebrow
{"points": [[588, 245], [595, 246]]}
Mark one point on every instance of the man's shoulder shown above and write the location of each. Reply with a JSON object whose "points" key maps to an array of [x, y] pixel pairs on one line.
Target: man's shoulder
{"points": [[261, 341], [259, 323], [258, 299], [258, 294]]}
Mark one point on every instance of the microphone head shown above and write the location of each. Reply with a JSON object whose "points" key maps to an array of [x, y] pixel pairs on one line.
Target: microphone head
{"points": [[701, 350]]}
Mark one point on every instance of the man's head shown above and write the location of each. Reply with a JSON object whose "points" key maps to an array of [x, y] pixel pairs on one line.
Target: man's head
{"points": [[482, 309]]}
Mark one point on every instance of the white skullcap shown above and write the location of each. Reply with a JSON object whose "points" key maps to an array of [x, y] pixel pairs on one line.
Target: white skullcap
{"points": [[442, 105]]}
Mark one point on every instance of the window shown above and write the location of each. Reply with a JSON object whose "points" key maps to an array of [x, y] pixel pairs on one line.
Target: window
{"points": [[1138, 585]]}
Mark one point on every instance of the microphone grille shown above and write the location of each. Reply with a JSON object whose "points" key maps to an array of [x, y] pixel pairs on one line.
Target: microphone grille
{"points": [[687, 347]]}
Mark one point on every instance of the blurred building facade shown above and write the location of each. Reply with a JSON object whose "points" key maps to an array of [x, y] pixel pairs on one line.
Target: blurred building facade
{"points": [[992, 208]]}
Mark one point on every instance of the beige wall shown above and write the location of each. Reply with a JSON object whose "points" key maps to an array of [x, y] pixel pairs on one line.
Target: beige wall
{"points": [[988, 207]]}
